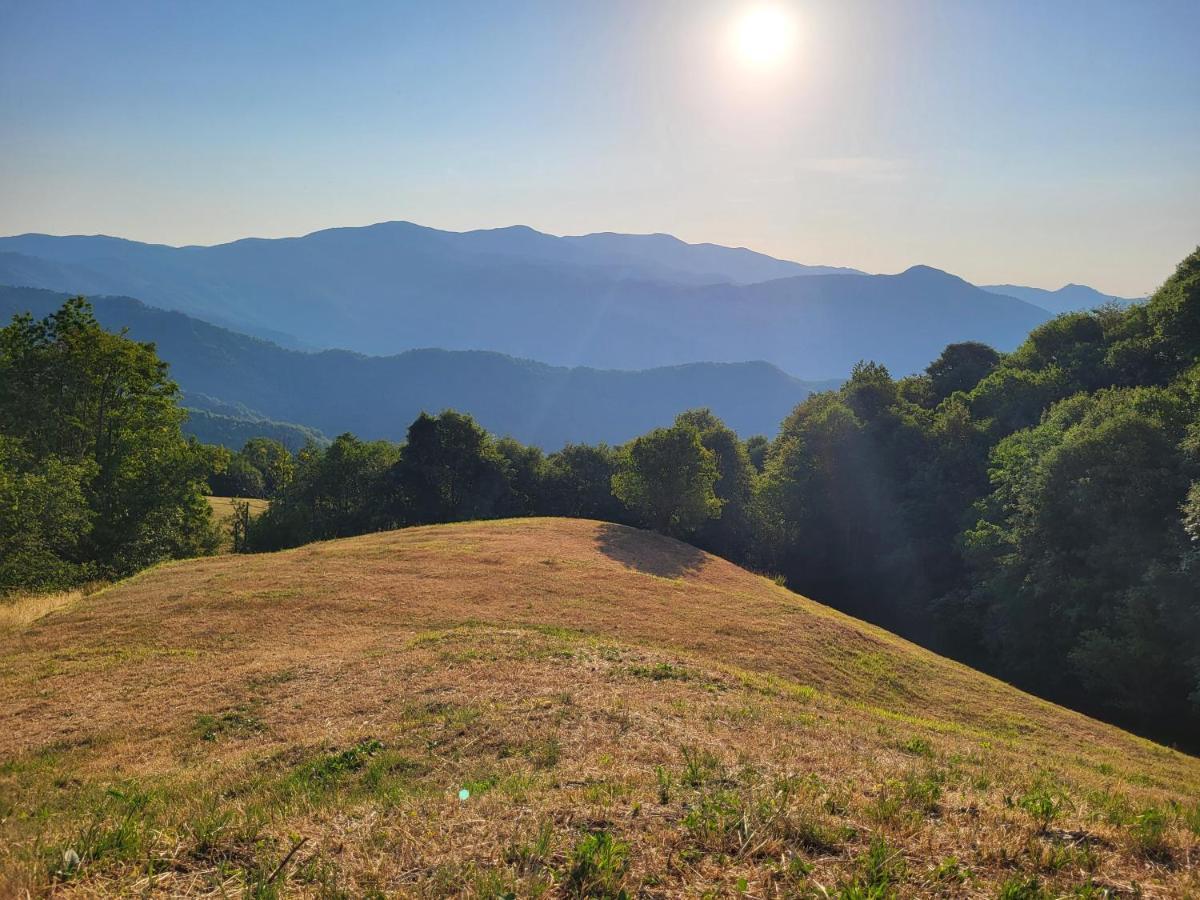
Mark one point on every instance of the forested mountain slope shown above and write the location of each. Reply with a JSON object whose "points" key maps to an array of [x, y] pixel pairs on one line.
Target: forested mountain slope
{"points": [[607, 301], [377, 397]]}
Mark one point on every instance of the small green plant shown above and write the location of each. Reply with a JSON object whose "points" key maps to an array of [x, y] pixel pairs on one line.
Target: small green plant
{"points": [[1023, 888], [598, 867], [548, 753], [533, 855], [1149, 834], [665, 784], [118, 831], [1191, 818], [324, 772], [923, 793], [951, 871], [231, 722], [662, 671], [880, 870], [207, 830], [917, 746], [699, 766], [1043, 803], [1111, 808]]}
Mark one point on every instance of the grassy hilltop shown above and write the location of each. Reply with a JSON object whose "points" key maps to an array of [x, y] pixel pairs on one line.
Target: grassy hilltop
{"points": [[622, 711]]}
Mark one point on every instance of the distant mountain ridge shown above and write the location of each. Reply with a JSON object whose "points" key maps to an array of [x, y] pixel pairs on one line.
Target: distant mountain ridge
{"points": [[606, 301], [235, 380], [1068, 298]]}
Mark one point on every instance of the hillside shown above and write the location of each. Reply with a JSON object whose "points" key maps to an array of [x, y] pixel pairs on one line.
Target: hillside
{"points": [[377, 397], [531, 706], [603, 301]]}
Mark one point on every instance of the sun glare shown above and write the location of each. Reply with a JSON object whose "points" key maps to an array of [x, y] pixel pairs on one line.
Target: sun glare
{"points": [[764, 36]]}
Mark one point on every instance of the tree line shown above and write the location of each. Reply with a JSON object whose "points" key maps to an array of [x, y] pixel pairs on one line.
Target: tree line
{"points": [[1035, 514]]}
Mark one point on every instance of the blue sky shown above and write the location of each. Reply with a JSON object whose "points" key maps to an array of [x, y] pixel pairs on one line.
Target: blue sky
{"points": [[1033, 142]]}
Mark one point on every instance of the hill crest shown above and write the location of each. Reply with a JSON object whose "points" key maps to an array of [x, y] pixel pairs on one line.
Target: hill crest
{"points": [[573, 678]]}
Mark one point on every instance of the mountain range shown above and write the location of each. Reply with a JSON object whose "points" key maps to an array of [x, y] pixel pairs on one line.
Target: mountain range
{"points": [[1069, 298], [239, 386], [610, 301]]}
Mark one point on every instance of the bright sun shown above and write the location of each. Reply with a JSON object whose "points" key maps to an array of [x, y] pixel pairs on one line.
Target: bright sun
{"points": [[764, 35]]}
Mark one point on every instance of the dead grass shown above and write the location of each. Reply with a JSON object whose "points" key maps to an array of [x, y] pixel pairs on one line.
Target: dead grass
{"points": [[624, 712], [18, 611]]}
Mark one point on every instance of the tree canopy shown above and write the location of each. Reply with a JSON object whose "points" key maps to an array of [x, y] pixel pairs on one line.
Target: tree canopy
{"points": [[96, 478]]}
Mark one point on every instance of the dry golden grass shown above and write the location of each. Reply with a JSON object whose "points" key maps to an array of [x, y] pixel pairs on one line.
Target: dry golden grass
{"points": [[18, 611], [302, 723]]}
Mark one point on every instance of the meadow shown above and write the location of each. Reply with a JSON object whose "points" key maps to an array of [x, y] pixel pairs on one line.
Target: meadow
{"points": [[545, 707]]}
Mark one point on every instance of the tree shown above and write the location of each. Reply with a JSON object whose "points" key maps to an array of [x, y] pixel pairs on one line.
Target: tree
{"points": [[757, 447], [238, 477], [273, 461], [448, 471], [44, 521], [666, 478], [960, 368], [97, 410], [1079, 554], [578, 483], [730, 533], [524, 470], [338, 491]]}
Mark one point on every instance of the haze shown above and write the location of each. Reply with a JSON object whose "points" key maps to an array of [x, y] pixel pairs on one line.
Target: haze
{"points": [[1028, 143]]}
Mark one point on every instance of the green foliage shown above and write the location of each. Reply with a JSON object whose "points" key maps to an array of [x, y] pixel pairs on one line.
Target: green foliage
{"points": [[960, 368], [450, 470], [1021, 887], [757, 447], [335, 492], [1149, 834], [577, 482], [238, 477], [667, 478], [96, 478], [1044, 803], [880, 870], [598, 867], [730, 532]]}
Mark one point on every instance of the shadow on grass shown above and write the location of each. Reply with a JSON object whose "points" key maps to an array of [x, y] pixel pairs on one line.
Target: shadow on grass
{"points": [[648, 552]]}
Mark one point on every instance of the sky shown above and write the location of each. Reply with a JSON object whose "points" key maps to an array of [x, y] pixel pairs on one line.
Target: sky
{"points": [[1025, 142]]}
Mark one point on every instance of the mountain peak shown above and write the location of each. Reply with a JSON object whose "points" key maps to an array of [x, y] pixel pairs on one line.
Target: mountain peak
{"points": [[929, 273]]}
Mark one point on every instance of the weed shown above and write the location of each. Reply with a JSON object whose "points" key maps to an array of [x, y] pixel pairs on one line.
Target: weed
{"points": [[1111, 808], [207, 830], [950, 870], [1191, 818], [923, 794], [1043, 802], [119, 831], [699, 766], [238, 721], [662, 671], [1149, 834], [325, 771], [918, 746], [598, 867], [547, 753], [665, 784], [533, 855], [879, 871], [1022, 888]]}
